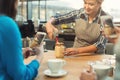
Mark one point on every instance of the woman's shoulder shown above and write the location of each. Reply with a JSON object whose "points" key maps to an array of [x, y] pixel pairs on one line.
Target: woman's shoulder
{"points": [[8, 23], [4, 18]]}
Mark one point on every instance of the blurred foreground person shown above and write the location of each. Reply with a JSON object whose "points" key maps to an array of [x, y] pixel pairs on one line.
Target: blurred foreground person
{"points": [[87, 28], [91, 76], [12, 65], [88, 74], [116, 41]]}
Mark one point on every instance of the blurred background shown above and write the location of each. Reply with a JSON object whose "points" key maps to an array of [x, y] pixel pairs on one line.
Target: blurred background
{"points": [[33, 14]]}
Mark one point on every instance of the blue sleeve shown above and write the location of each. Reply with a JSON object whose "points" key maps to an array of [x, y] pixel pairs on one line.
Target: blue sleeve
{"points": [[11, 53]]}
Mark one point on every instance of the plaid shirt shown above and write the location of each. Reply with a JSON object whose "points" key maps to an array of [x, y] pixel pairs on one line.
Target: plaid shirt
{"points": [[76, 14]]}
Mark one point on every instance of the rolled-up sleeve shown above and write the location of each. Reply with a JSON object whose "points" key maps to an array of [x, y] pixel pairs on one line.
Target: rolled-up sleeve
{"points": [[67, 18], [101, 44]]}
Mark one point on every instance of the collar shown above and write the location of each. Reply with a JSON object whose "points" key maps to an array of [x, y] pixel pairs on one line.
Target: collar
{"points": [[96, 19]]}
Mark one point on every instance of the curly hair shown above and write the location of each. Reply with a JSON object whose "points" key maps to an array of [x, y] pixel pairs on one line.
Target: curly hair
{"points": [[8, 7]]}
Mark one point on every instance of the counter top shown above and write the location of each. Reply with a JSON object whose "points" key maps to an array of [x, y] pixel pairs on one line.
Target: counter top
{"points": [[74, 66]]}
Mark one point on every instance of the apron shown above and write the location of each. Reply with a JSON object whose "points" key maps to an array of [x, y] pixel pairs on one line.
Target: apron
{"points": [[86, 33]]}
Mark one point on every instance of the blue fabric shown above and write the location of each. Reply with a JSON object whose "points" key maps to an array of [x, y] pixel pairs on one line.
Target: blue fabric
{"points": [[12, 65]]}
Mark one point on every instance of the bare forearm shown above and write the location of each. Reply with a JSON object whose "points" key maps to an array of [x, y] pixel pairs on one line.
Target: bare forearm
{"points": [[87, 49], [74, 51], [50, 29]]}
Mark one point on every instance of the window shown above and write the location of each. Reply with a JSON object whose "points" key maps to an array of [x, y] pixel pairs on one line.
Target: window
{"points": [[44, 9]]}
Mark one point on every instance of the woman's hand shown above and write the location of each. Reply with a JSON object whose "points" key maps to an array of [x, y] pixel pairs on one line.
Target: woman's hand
{"points": [[88, 74], [71, 51], [39, 51], [27, 52], [114, 40]]}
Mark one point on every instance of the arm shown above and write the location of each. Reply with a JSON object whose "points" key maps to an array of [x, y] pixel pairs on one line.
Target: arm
{"points": [[87, 49], [50, 28], [98, 47], [66, 18], [100, 44], [12, 57]]}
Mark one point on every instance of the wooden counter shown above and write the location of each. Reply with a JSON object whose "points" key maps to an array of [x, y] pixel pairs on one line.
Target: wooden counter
{"points": [[74, 66]]}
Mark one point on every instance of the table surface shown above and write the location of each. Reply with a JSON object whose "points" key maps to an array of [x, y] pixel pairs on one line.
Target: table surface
{"points": [[74, 65]]}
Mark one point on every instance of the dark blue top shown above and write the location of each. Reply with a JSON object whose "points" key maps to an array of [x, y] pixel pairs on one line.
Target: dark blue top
{"points": [[12, 65]]}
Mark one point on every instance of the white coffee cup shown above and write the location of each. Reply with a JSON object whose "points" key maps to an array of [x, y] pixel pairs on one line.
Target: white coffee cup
{"points": [[55, 65], [101, 71]]}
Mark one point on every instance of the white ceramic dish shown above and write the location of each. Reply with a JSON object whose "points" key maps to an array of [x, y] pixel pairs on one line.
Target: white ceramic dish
{"points": [[59, 74]]}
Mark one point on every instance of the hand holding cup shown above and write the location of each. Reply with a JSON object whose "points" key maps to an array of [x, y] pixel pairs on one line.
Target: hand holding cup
{"points": [[113, 38], [27, 52], [109, 31], [88, 74]]}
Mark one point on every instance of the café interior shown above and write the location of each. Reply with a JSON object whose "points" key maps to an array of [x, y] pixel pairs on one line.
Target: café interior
{"points": [[31, 18]]}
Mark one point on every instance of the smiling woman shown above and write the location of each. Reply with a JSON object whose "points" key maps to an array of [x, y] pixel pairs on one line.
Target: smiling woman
{"points": [[86, 19]]}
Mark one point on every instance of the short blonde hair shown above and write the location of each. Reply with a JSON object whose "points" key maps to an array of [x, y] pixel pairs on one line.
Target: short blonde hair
{"points": [[99, 1]]}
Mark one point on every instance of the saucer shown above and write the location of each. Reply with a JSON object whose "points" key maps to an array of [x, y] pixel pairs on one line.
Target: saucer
{"points": [[59, 74], [107, 78]]}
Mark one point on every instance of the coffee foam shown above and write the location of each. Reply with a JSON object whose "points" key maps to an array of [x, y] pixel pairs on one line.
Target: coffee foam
{"points": [[101, 66], [54, 60]]}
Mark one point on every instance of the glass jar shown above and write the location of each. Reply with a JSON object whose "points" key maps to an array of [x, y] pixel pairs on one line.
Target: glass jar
{"points": [[59, 50]]}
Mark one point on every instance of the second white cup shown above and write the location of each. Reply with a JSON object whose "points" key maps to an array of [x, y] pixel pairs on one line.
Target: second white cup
{"points": [[101, 71]]}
